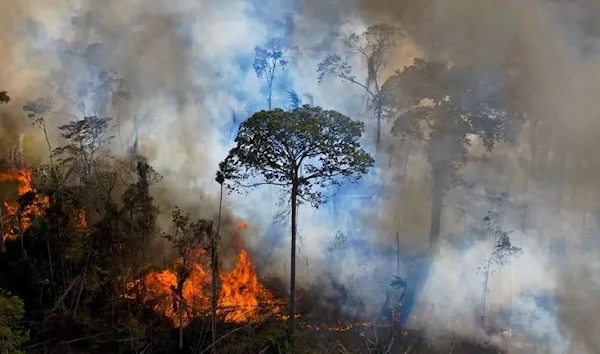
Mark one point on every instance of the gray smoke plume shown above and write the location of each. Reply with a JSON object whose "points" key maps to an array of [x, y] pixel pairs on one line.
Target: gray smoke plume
{"points": [[548, 52]]}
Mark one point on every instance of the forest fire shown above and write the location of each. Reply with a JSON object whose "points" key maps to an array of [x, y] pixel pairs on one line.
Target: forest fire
{"points": [[24, 185], [241, 296]]}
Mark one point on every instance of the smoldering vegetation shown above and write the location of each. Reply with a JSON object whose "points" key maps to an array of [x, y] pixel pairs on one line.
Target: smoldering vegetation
{"points": [[177, 79]]}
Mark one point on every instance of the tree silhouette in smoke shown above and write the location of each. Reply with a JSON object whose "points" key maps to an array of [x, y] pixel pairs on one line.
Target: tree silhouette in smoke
{"points": [[372, 46], [425, 101], [306, 150], [266, 61]]}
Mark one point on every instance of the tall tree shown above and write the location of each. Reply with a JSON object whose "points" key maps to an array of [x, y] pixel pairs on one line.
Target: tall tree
{"points": [[36, 111], [266, 61], [428, 101], [214, 255], [305, 151], [87, 138], [373, 47], [141, 212]]}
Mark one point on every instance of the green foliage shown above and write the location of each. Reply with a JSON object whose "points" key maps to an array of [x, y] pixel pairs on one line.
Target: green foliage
{"points": [[187, 237], [308, 146], [87, 136], [12, 334]]}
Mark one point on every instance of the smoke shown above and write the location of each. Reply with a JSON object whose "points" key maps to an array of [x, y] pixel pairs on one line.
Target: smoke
{"points": [[181, 79], [547, 52], [188, 68]]}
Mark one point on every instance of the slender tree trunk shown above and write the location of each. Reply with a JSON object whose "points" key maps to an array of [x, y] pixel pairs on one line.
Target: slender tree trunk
{"points": [[215, 274], [271, 77], [49, 146], [292, 314], [561, 161], [270, 98], [21, 238], [378, 139], [2, 245], [181, 323], [50, 265], [421, 267], [397, 253], [485, 290], [307, 271], [436, 218]]}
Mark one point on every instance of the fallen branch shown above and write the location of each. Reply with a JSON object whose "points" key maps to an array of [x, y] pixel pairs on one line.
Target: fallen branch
{"points": [[225, 336], [65, 293], [389, 349], [453, 344], [69, 342], [342, 349], [39, 344], [264, 350]]}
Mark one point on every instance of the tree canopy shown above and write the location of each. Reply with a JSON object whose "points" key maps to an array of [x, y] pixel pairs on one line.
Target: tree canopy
{"points": [[373, 46], [310, 146], [428, 101]]}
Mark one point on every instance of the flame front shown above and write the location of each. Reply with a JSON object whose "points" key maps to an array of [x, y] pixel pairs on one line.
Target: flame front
{"points": [[241, 298], [24, 184]]}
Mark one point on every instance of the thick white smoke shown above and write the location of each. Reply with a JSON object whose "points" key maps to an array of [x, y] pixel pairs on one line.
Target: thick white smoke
{"points": [[188, 63]]}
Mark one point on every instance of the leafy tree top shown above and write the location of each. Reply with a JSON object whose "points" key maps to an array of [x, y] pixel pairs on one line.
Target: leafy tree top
{"points": [[308, 148], [269, 56]]}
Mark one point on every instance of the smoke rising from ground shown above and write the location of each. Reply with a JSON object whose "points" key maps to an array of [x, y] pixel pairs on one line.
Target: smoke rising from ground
{"points": [[551, 48], [188, 65]]}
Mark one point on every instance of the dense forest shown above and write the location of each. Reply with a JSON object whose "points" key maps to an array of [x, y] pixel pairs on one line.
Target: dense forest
{"points": [[428, 196]]}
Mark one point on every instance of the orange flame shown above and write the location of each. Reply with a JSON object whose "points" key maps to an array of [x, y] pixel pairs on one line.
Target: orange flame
{"points": [[240, 298], [24, 184]]}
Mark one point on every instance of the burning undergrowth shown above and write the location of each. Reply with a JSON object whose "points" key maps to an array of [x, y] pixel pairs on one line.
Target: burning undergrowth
{"points": [[241, 295], [24, 207], [331, 313]]}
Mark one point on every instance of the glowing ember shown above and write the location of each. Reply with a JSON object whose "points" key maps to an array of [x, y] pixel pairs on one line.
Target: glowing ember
{"points": [[240, 298]]}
